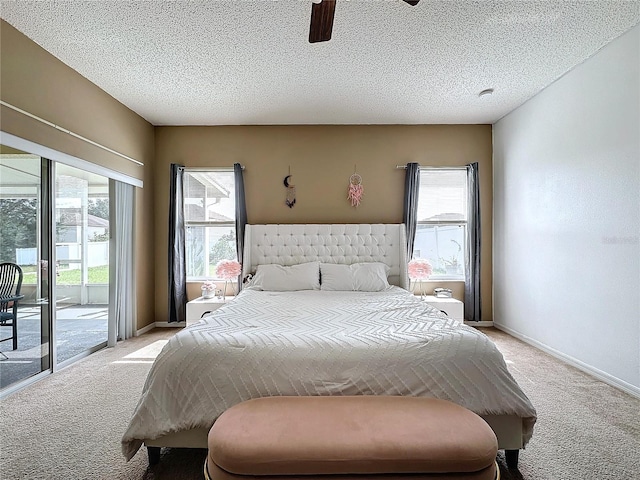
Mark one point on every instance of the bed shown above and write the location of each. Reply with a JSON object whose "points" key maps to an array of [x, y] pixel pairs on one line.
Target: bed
{"points": [[327, 312]]}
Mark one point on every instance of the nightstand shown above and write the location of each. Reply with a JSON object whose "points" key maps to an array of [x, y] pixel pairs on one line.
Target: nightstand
{"points": [[452, 307], [197, 307]]}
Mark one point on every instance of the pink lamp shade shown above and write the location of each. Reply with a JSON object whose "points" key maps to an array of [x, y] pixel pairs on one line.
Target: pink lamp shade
{"points": [[228, 269], [419, 269]]}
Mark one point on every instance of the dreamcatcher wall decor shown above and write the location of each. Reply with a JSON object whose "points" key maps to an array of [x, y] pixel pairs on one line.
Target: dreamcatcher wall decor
{"points": [[290, 201], [356, 190]]}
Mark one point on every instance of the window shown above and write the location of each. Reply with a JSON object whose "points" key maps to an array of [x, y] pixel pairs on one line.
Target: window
{"points": [[442, 221], [209, 212]]}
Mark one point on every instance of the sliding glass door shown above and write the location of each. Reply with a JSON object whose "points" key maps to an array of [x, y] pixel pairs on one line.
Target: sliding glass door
{"points": [[82, 261], [54, 223], [22, 203]]}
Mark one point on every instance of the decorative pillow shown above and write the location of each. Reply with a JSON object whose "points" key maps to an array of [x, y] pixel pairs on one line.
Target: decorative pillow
{"points": [[358, 277], [305, 276]]}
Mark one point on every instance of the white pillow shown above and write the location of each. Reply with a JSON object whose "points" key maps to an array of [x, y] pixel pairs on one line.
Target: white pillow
{"points": [[305, 276], [358, 277]]}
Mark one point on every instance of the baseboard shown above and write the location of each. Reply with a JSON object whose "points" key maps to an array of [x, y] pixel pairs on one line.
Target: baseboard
{"points": [[170, 325], [481, 323], [153, 325], [599, 374], [146, 329]]}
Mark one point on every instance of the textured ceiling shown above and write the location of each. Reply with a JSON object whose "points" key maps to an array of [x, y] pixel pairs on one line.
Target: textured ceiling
{"points": [[250, 62]]}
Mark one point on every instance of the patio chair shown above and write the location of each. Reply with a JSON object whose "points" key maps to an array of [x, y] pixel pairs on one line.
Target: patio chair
{"points": [[10, 284]]}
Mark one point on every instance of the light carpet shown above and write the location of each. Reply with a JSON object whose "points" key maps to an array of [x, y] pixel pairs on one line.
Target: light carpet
{"points": [[69, 425]]}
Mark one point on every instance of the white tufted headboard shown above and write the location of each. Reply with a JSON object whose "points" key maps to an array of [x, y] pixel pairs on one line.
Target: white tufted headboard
{"points": [[336, 243]]}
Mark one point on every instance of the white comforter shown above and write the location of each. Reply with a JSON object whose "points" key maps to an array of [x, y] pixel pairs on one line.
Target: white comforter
{"points": [[321, 343]]}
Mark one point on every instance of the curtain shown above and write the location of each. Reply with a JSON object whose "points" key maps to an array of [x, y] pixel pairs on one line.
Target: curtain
{"points": [[410, 215], [472, 258], [124, 285], [241, 215], [177, 262]]}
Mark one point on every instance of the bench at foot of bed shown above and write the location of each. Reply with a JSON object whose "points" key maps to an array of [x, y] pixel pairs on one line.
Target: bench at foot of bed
{"points": [[507, 428], [371, 436], [510, 455]]}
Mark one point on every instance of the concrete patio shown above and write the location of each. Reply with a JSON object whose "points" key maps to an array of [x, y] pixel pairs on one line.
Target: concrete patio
{"points": [[78, 328]]}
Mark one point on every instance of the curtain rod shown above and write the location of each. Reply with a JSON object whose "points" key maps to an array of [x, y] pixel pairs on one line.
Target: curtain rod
{"points": [[208, 169], [73, 134], [404, 167]]}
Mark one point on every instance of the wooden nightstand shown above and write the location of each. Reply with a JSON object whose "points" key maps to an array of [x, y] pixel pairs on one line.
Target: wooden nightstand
{"points": [[197, 307], [452, 307]]}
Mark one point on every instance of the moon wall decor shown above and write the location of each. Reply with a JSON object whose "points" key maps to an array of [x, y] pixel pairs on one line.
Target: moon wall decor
{"points": [[290, 201]]}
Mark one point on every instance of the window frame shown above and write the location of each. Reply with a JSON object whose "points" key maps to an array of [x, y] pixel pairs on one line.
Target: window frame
{"points": [[455, 223], [206, 223]]}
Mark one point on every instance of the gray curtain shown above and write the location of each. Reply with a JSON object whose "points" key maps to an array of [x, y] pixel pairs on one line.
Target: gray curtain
{"points": [[410, 215], [177, 259], [472, 258], [241, 215]]}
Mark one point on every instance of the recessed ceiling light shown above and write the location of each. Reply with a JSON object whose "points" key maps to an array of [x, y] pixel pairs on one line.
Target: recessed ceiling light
{"points": [[486, 91]]}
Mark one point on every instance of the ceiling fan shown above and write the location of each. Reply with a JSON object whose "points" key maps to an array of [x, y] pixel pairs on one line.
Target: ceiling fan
{"points": [[322, 19]]}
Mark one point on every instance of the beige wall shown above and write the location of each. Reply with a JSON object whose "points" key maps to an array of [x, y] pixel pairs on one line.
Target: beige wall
{"points": [[321, 159], [35, 81]]}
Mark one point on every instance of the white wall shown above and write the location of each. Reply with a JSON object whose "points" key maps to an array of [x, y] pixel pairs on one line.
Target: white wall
{"points": [[566, 245]]}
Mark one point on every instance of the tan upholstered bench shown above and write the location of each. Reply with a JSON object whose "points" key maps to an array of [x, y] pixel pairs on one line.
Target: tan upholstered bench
{"points": [[383, 437]]}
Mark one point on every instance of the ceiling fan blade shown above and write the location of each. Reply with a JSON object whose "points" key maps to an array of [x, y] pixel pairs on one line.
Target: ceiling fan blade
{"points": [[413, 3], [321, 21]]}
